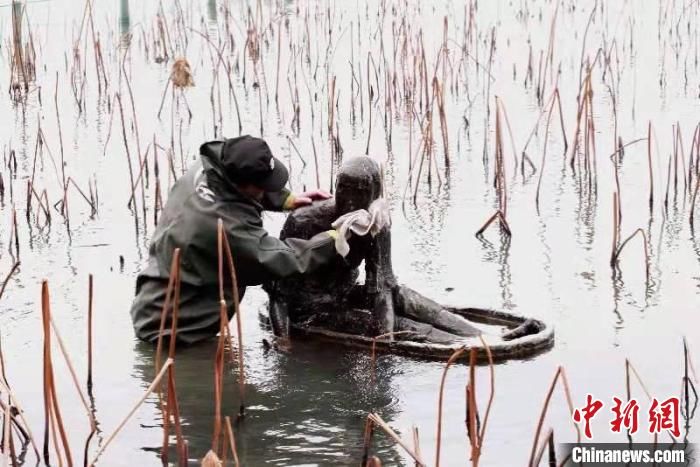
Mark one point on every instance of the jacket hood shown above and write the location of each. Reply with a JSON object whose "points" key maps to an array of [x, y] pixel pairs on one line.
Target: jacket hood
{"points": [[210, 153]]}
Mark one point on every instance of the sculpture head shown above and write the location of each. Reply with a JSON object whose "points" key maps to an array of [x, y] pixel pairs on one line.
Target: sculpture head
{"points": [[359, 182]]}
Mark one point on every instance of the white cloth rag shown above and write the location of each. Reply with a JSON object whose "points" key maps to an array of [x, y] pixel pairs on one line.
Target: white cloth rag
{"points": [[361, 222]]}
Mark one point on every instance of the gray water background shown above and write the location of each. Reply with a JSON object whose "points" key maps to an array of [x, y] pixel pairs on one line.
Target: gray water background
{"points": [[308, 407]]}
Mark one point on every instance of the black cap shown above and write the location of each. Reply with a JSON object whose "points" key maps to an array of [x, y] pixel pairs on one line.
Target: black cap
{"points": [[247, 159]]}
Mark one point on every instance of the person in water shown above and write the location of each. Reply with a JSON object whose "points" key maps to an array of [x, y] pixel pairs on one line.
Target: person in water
{"points": [[235, 180], [331, 298]]}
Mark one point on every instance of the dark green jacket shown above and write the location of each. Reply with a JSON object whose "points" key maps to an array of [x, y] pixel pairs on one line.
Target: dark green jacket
{"points": [[189, 222]]}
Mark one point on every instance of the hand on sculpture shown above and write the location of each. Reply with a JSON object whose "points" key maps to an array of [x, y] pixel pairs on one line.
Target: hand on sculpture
{"points": [[308, 197]]}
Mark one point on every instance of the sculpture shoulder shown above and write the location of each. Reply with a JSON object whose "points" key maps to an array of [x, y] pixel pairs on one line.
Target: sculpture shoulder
{"points": [[307, 221]]}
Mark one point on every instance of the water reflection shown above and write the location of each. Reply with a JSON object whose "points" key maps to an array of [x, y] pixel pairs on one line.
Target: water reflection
{"points": [[124, 23], [285, 423], [212, 12], [500, 254]]}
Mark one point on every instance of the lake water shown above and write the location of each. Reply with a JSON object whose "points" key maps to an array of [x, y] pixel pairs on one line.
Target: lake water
{"points": [[308, 407]]}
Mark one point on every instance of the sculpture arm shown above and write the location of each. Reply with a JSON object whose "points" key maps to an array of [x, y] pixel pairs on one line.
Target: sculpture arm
{"points": [[380, 281], [279, 318], [379, 271]]}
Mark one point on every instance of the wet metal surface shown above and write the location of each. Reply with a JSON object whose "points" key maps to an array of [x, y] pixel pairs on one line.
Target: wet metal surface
{"points": [[307, 407]]}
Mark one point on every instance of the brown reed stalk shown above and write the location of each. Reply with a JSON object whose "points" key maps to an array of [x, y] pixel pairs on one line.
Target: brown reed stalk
{"points": [[174, 276], [11, 418], [172, 295], [42, 207], [219, 360], [143, 169], [492, 392], [473, 411], [370, 96], [24, 428], [89, 320], [616, 255], [549, 60], [158, 201], [279, 59], [560, 374], [498, 215], [162, 100], [679, 136], [126, 147], [173, 410], [499, 177], [416, 444], [93, 208], [239, 327], [6, 433], [455, 355], [616, 229], [96, 49], [651, 175], [232, 441], [15, 230], [533, 132], [28, 207], [21, 59], [688, 384], [64, 206], [331, 107], [378, 421], [668, 180], [548, 440], [45, 205], [424, 150], [83, 399], [590, 124], [692, 203], [313, 148], [8, 276], [691, 157], [172, 403], [136, 131], [499, 181], [219, 379], [439, 95], [544, 150], [539, 80], [229, 73], [367, 441], [54, 438], [631, 370], [582, 104], [51, 407], [151, 388], [510, 133]]}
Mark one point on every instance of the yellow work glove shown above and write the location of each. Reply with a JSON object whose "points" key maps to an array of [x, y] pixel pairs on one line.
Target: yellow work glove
{"points": [[289, 203], [332, 233]]}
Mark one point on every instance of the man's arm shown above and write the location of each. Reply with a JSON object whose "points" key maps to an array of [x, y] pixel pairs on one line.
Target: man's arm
{"points": [[261, 257], [278, 200]]}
